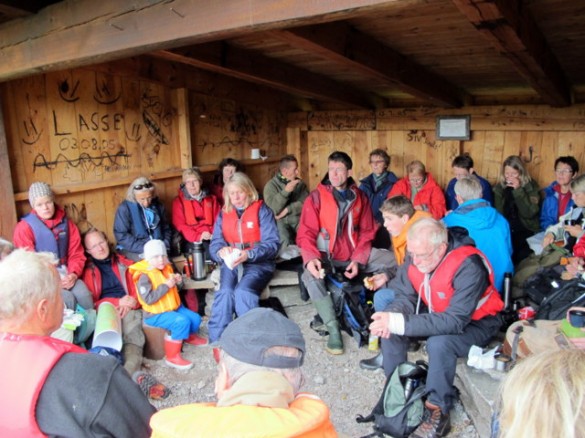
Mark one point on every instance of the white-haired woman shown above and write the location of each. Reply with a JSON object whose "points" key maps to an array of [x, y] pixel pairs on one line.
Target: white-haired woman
{"points": [[140, 218]]}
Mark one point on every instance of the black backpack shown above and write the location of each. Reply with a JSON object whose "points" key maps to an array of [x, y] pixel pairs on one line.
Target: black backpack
{"points": [[400, 409], [555, 305], [352, 307]]}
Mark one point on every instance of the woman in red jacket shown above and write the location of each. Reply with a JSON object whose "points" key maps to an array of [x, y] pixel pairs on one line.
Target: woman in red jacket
{"points": [[194, 210], [419, 186]]}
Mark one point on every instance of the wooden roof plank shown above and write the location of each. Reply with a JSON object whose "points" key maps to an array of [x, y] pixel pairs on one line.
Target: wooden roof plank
{"points": [[341, 44], [89, 34], [250, 66], [513, 31]]}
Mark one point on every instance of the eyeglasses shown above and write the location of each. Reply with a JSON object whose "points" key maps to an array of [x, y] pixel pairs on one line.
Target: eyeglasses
{"points": [[563, 171], [416, 180], [377, 161], [147, 185]]}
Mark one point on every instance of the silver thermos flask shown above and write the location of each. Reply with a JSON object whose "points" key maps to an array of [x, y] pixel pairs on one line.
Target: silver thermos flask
{"points": [[198, 261]]}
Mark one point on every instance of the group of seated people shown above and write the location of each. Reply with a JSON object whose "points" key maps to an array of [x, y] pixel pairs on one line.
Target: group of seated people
{"points": [[436, 274]]}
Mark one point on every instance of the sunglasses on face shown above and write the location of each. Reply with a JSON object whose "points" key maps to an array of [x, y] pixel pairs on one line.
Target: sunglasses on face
{"points": [[147, 185]]}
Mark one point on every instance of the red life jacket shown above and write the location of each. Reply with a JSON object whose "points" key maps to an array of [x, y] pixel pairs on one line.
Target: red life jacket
{"points": [[21, 387], [328, 218], [441, 284], [242, 232], [191, 218]]}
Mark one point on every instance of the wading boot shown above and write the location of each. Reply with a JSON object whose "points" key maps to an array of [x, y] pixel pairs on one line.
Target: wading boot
{"points": [[327, 312]]}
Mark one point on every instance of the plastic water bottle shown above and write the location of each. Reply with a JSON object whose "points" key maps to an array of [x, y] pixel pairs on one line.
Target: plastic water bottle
{"points": [[373, 342]]}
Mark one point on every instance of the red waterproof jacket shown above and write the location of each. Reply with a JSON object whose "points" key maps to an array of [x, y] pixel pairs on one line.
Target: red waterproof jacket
{"points": [[430, 195]]}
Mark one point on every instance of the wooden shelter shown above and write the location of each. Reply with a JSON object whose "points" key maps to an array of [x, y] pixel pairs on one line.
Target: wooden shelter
{"points": [[95, 94]]}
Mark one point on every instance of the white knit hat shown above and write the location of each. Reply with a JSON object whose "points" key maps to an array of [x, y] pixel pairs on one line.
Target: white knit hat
{"points": [[39, 190], [154, 248]]}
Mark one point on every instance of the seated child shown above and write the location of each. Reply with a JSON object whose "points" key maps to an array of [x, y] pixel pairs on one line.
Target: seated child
{"points": [[157, 291]]}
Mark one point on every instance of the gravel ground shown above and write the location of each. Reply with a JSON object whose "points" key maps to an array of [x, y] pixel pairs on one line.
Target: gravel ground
{"points": [[338, 380]]}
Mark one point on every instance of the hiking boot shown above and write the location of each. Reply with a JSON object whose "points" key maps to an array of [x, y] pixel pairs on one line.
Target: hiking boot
{"points": [[373, 363], [435, 424]]}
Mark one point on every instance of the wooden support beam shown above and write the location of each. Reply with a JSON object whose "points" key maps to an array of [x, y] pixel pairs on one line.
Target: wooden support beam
{"points": [[253, 67], [181, 97], [71, 34], [338, 42], [8, 210], [511, 29]]}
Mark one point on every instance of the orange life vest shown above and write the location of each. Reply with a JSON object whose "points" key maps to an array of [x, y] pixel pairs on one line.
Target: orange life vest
{"points": [[242, 232], [328, 219], [441, 284], [20, 391], [169, 301]]}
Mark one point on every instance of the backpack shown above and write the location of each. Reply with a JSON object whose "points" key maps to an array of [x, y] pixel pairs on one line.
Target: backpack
{"points": [[401, 407], [540, 284], [351, 306], [555, 305], [525, 338]]}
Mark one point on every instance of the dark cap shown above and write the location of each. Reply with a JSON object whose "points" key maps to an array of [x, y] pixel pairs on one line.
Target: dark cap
{"points": [[249, 336]]}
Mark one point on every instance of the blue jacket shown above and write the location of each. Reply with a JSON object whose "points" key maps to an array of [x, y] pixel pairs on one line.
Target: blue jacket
{"points": [[130, 227], [491, 233], [377, 197], [549, 213], [486, 188]]}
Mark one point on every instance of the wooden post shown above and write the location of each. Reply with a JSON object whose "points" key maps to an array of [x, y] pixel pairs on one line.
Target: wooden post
{"points": [[181, 97], [8, 210]]}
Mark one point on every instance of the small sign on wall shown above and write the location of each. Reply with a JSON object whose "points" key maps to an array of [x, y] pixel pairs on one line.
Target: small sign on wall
{"points": [[453, 127]]}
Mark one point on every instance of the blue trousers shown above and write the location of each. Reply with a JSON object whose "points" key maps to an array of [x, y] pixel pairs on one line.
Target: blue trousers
{"points": [[443, 351], [383, 298], [181, 322], [237, 295]]}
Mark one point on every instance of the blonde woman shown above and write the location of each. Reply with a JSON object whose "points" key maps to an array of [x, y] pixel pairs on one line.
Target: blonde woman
{"points": [[544, 396], [245, 243], [517, 198]]}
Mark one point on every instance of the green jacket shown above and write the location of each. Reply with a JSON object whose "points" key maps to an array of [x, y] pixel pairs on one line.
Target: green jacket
{"points": [[277, 198], [527, 199]]}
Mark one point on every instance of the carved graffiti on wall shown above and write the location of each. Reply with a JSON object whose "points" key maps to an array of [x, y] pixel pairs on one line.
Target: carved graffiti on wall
{"points": [[421, 137], [341, 121], [220, 124], [91, 138]]}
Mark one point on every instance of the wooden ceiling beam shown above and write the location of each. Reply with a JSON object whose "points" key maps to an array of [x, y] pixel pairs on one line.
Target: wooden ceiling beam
{"points": [[339, 43], [252, 67], [511, 29], [74, 33]]}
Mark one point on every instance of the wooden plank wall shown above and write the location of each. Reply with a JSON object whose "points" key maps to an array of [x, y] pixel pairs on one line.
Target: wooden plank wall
{"points": [[538, 133], [89, 133]]}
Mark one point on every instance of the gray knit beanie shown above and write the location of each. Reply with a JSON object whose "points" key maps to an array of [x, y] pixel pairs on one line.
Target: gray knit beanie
{"points": [[38, 190]]}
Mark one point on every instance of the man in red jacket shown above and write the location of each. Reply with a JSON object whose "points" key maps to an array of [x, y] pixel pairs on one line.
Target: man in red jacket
{"points": [[50, 386], [335, 233]]}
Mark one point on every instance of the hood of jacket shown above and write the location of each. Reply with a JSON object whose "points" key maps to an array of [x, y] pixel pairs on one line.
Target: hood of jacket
{"points": [[477, 213]]}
